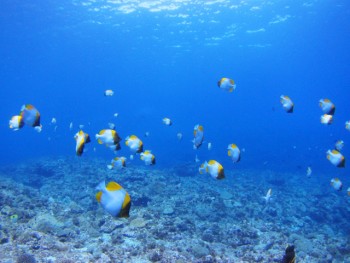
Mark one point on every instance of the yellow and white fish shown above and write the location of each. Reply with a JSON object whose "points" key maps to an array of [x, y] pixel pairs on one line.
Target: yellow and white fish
{"points": [[308, 171], [16, 122], [198, 136], [109, 92], [268, 195], [118, 163], [114, 199], [81, 139], [347, 125], [339, 145], [31, 117], [337, 184], [167, 121], [148, 157], [134, 143], [227, 84], [327, 106], [287, 104], [110, 138], [214, 168], [336, 158], [348, 191], [326, 119], [234, 152]]}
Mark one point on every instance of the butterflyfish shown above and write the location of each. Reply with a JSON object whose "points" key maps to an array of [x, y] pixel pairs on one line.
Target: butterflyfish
{"points": [[117, 163], [114, 199], [16, 122], [227, 84], [31, 117], [234, 152], [167, 121], [287, 104], [327, 106], [109, 93], [336, 158], [198, 136], [339, 145], [336, 184], [110, 138], [148, 157], [134, 144], [326, 119], [81, 139], [214, 168]]}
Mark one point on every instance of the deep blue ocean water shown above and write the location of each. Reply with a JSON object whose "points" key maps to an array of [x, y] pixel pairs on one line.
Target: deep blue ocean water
{"points": [[163, 59]]}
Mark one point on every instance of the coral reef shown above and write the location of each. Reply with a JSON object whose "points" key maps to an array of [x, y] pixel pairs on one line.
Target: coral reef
{"points": [[173, 218]]}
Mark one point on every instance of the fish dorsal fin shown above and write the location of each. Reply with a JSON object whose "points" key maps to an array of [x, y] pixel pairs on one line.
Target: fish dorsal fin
{"points": [[113, 186], [98, 196], [133, 137], [200, 128], [212, 162], [102, 132], [335, 152]]}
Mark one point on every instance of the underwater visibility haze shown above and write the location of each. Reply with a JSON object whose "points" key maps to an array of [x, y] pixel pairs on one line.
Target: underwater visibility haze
{"points": [[175, 131]]}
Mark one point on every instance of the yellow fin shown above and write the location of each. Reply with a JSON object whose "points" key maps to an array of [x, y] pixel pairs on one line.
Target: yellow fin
{"points": [[211, 162], [99, 141], [113, 186], [98, 196], [102, 132], [229, 153]]}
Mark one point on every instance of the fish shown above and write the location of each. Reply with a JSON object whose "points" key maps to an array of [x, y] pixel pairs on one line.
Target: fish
{"points": [[53, 121], [71, 126], [109, 92], [116, 115], [31, 117], [339, 145], [81, 139], [347, 125], [118, 163], [327, 106], [214, 168], [16, 123], [209, 146], [131, 157], [198, 136], [336, 184], [110, 138], [287, 104], [167, 121], [134, 143], [268, 195], [348, 191], [114, 199], [289, 256], [227, 84], [179, 136], [148, 157], [326, 119], [147, 133], [308, 171], [234, 152], [336, 158]]}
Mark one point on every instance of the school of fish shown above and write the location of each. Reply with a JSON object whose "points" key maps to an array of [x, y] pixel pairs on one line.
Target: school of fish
{"points": [[115, 200]]}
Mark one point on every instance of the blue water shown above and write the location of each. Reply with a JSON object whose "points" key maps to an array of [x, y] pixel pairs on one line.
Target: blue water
{"points": [[60, 56]]}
